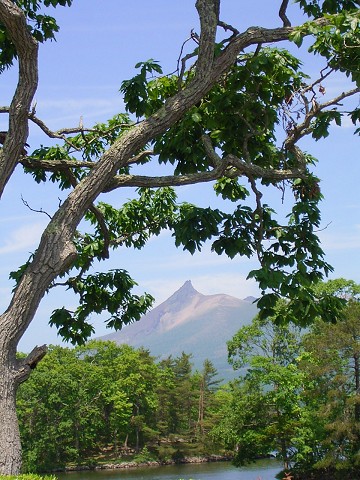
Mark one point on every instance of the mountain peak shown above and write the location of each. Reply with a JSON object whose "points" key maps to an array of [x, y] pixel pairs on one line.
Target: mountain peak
{"points": [[186, 289], [188, 284], [182, 296], [192, 322], [250, 299]]}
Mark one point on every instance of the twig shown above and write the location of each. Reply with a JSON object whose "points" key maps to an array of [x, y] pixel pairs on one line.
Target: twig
{"points": [[300, 130], [193, 36], [226, 26], [33, 209], [60, 134]]}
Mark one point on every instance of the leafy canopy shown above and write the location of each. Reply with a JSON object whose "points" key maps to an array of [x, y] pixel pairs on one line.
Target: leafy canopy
{"points": [[242, 134]]}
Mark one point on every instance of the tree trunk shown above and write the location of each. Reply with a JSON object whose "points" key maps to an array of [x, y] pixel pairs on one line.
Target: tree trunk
{"points": [[115, 442], [284, 453], [201, 409], [10, 452], [137, 428], [12, 373], [357, 386]]}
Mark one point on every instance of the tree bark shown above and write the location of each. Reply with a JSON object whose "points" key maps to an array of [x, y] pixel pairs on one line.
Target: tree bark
{"points": [[357, 397], [10, 451], [12, 373], [14, 21]]}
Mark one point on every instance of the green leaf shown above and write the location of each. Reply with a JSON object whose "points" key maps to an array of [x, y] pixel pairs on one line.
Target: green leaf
{"points": [[196, 117], [297, 37]]}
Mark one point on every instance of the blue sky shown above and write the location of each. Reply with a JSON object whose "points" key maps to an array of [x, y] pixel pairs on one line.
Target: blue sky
{"points": [[97, 47]]}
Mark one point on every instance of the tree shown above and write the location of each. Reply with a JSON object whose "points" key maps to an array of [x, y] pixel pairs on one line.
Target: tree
{"points": [[333, 366], [207, 386], [104, 358], [183, 399], [268, 410], [215, 120], [138, 380], [88, 397], [299, 392], [59, 412]]}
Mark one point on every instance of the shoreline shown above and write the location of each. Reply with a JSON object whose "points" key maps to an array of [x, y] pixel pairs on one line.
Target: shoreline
{"points": [[149, 463]]}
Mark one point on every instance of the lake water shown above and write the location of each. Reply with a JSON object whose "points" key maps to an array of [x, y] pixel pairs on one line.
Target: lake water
{"points": [[262, 470]]}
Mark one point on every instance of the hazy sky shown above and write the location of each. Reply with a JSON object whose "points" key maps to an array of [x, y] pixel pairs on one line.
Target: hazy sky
{"points": [[97, 47]]}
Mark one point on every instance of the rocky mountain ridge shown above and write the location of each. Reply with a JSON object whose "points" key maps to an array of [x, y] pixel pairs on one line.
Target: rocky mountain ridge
{"points": [[191, 322]]}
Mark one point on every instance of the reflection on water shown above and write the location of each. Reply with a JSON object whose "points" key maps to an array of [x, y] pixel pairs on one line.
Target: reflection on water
{"points": [[262, 470]]}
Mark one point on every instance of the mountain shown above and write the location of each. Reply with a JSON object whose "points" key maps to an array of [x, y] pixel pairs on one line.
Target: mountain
{"points": [[190, 322]]}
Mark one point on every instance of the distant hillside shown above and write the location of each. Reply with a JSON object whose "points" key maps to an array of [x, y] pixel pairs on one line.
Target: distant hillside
{"points": [[191, 322]]}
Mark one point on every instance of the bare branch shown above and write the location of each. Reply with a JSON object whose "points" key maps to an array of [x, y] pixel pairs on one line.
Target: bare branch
{"points": [[137, 158], [54, 165], [302, 129], [251, 170], [183, 67], [162, 181], [282, 13], [232, 166], [184, 59], [61, 133], [336, 100], [226, 27], [33, 209], [215, 159], [320, 79], [259, 220], [63, 164]]}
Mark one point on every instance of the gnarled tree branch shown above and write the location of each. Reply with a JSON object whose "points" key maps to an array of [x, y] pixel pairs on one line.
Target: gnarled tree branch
{"points": [[24, 366], [26, 46]]}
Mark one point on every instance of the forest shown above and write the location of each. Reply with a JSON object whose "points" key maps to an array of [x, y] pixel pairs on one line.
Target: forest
{"points": [[295, 396]]}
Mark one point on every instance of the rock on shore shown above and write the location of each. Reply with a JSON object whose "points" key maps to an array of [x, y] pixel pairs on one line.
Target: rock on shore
{"points": [[150, 463]]}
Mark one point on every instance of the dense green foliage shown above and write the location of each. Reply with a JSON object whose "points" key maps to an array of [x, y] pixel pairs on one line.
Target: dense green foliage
{"points": [[102, 399], [299, 397]]}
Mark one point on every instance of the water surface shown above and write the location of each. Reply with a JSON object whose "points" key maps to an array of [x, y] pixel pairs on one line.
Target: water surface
{"points": [[262, 470]]}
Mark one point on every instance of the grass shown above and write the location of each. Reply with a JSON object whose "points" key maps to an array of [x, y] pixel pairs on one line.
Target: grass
{"points": [[27, 476]]}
